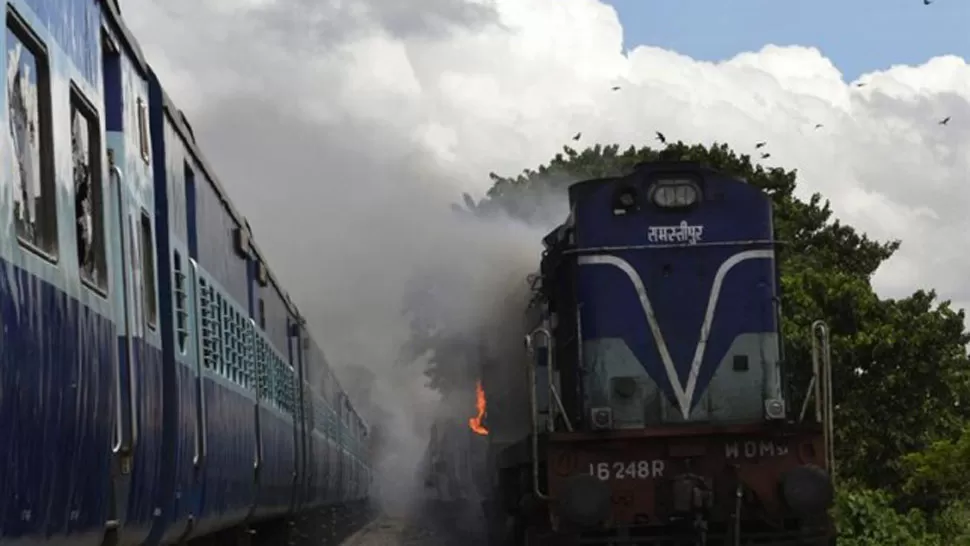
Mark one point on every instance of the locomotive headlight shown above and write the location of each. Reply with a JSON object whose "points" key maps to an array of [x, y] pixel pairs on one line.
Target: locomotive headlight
{"points": [[675, 193]]}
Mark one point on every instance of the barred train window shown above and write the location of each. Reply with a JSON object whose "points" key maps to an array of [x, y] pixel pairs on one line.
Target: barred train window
{"points": [[219, 332], [181, 314], [88, 201], [209, 341], [29, 112]]}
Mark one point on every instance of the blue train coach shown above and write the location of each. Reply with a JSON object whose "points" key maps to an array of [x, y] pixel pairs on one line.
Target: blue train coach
{"points": [[156, 382]]}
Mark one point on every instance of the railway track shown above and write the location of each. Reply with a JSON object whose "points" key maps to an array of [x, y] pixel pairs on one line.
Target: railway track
{"points": [[425, 530]]}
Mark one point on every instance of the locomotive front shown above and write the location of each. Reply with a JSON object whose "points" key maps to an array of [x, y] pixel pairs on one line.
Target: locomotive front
{"points": [[660, 402]]}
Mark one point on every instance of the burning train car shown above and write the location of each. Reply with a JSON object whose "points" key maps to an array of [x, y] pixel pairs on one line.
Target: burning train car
{"points": [[454, 462]]}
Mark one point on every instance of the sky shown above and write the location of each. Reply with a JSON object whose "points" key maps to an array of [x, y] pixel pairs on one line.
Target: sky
{"points": [[859, 36], [454, 89]]}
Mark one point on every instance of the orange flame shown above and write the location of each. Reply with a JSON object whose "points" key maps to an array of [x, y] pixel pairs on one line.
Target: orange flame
{"points": [[475, 423]]}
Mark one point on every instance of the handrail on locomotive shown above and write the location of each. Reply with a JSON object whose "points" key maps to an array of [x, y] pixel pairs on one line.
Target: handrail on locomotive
{"points": [[533, 402], [820, 389]]}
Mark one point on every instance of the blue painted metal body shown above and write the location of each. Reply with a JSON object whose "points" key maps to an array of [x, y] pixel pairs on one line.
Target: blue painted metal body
{"points": [[156, 383], [679, 303]]}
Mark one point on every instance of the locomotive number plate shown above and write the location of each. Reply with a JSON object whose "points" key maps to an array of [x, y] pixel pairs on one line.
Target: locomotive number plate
{"points": [[628, 470]]}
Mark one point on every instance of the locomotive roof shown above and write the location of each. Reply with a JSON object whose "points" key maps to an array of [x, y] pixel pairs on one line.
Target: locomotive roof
{"points": [[112, 12], [579, 189]]}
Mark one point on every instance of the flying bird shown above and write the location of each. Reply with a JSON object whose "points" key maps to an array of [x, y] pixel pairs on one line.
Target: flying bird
{"points": [[577, 136], [860, 84], [819, 126], [945, 120], [927, 2], [616, 88], [760, 145], [469, 202], [765, 156], [661, 137]]}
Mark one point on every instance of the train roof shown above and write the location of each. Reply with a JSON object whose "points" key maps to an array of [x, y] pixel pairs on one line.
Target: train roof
{"points": [[112, 12], [580, 189]]}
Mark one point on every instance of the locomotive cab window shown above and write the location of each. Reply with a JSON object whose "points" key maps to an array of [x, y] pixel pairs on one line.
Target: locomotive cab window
{"points": [[88, 198], [31, 138], [148, 271]]}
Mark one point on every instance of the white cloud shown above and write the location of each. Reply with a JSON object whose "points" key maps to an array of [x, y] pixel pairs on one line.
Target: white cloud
{"points": [[342, 128]]}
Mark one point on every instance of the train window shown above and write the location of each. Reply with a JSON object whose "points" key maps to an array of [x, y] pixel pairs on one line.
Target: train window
{"points": [[274, 381], [269, 391], [143, 141], [31, 139], [209, 341], [181, 314], [88, 200], [281, 388], [233, 347], [278, 384], [267, 372], [243, 342], [260, 354], [248, 353], [148, 271], [285, 389], [242, 354]]}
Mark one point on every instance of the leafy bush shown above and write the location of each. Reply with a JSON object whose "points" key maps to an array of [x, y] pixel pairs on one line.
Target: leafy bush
{"points": [[867, 517]]}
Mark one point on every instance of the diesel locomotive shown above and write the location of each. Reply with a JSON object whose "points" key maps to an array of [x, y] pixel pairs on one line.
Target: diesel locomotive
{"points": [[660, 405], [157, 383]]}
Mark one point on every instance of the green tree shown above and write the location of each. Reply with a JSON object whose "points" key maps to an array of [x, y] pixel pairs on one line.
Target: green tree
{"points": [[899, 366]]}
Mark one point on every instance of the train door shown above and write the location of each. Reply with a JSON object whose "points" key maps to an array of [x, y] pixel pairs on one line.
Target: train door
{"points": [[299, 413], [293, 347], [125, 436], [306, 419], [341, 447], [200, 299]]}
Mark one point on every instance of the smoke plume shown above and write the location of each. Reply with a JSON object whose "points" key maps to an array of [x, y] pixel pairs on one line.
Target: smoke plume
{"points": [[453, 293]]}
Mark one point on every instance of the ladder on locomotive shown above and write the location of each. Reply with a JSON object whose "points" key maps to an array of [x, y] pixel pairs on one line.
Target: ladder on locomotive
{"points": [[820, 391]]}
